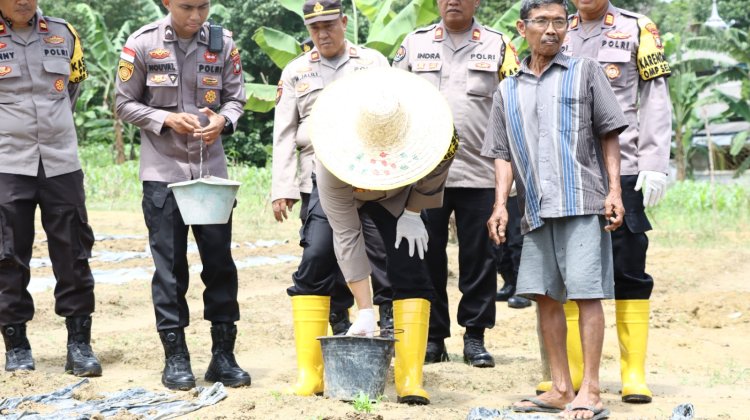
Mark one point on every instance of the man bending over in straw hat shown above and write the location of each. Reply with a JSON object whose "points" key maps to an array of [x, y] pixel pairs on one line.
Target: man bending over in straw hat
{"points": [[319, 288], [383, 140], [559, 121]]}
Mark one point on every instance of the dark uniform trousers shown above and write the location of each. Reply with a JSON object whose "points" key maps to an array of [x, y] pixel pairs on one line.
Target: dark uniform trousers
{"points": [[508, 254], [629, 246], [69, 240], [318, 272], [477, 279], [167, 235], [408, 276]]}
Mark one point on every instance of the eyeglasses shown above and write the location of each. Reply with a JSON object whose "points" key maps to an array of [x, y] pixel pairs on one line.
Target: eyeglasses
{"points": [[544, 23]]}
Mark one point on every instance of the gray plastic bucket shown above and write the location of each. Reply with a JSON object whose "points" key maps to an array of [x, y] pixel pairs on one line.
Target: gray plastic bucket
{"points": [[205, 201], [355, 364]]}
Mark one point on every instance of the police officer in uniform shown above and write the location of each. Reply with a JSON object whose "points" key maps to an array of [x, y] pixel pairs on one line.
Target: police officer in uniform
{"points": [[465, 60], [41, 67], [631, 52], [319, 285], [181, 82], [318, 262]]}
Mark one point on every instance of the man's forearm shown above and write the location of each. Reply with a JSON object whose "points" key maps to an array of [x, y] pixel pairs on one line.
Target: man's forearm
{"points": [[611, 151], [503, 181]]}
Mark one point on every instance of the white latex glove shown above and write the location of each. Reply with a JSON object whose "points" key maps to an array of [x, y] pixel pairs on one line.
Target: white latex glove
{"points": [[654, 185], [364, 324], [411, 227]]}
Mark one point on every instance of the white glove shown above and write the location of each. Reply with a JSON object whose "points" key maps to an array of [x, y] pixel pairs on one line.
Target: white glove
{"points": [[654, 186], [364, 324], [411, 227]]}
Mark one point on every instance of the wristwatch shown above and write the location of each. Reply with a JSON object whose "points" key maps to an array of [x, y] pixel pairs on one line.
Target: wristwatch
{"points": [[228, 127]]}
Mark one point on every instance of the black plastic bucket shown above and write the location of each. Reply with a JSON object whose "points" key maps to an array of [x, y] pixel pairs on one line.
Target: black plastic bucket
{"points": [[354, 365]]}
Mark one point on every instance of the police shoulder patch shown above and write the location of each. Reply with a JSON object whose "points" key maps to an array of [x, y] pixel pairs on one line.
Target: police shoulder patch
{"points": [[400, 54], [650, 58], [125, 70]]}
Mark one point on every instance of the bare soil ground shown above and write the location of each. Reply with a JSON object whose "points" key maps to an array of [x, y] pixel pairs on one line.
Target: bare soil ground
{"points": [[699, 346]]}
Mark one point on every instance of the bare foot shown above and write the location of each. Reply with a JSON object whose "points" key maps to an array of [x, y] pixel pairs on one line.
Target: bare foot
{"points": [[589, 400], [552, 398]]}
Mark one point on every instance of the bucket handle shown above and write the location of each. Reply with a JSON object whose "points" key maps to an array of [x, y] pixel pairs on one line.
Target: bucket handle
{"points": [[208, 156]]}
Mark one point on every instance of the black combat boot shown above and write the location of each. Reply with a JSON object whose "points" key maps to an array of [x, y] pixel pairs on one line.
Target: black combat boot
{"points": [[177, 372], [436, 352], [17, 348], [518, 302], [386, 319], [474, 352], [223, 367], [81, 360], [339, 322], [506, 292]]}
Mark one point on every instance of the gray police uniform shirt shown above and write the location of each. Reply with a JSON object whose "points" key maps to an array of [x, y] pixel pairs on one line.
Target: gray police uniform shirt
{"points": [[341, 200], [302, 80], [467, 74], [38, 82], [629, 49], [155, 78]]}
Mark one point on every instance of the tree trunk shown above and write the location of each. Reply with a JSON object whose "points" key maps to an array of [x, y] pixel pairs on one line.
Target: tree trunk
{"points": [[679, 155], [119, 145]]}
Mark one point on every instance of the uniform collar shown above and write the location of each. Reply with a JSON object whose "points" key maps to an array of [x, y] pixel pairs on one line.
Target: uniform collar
{"points": [[38, 21], [440, 33], [350, 51], [609, 20], [168, 33]]}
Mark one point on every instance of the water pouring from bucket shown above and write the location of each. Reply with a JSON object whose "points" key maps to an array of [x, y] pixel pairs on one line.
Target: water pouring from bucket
{"points": [[207, 200]]}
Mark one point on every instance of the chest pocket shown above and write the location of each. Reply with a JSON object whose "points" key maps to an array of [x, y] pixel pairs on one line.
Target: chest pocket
{"points": [[571, 110], [209, 79], [482, 79], [306, 91], [429, 70], [58, 72], [9, 72], [617, 65], [162, 81]]}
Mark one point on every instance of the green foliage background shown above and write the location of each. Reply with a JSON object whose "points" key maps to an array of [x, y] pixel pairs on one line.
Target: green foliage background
{"points": [[251, 143]]}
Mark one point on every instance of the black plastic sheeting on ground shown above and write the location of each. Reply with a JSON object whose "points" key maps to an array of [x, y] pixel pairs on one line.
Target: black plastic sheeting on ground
{"points": [[138, 401]]}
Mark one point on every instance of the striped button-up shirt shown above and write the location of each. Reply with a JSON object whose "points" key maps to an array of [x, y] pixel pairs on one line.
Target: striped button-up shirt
{"points": [[550, 127]]}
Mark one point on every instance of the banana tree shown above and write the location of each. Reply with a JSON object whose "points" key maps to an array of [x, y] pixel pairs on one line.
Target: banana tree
{"points": [[387, 29], [95, 109]]}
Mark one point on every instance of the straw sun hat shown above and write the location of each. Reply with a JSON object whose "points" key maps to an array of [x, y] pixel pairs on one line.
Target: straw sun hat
{"points": [[381, 128]]}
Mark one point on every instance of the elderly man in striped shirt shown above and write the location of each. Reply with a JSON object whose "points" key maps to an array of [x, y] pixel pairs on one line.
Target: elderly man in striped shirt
{"points": [[558, 122]]}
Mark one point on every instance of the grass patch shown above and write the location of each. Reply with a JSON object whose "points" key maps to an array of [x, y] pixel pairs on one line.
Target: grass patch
{"points": [[117, 187], [696, 213]]}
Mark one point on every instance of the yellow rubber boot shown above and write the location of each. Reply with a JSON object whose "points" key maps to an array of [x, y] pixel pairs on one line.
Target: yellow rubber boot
{"points": [[575, 351], [632, 330], [413, 317], [310, 322]]}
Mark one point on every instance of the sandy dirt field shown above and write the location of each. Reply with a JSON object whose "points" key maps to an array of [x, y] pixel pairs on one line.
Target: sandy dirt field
{"points": [[699, 346]]}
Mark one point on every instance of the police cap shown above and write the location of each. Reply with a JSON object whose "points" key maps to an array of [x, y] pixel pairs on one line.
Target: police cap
{"points": [[320, 10]]}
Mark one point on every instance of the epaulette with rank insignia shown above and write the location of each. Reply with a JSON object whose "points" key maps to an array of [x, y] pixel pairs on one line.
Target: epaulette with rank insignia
{"points": [[425, 29], [143, 29]]}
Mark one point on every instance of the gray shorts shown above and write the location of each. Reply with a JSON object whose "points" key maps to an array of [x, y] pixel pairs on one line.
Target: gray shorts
{"points": [[567, 258]]}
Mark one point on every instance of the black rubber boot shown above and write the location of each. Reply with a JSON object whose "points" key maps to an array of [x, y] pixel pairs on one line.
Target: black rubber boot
{"points": [[339, 322], [518, 302], [385, 310], [17, 348], [223, 367], [474, 352], [81, 360], [177, 372], [436, 352], [505, 293]]}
